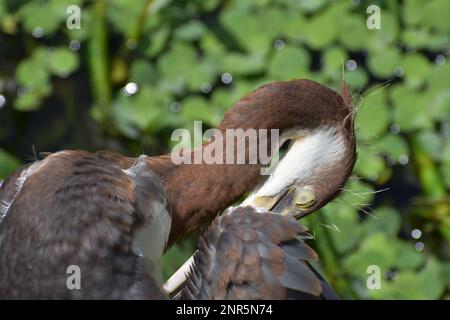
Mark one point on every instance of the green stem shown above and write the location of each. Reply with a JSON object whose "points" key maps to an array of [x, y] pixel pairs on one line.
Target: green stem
{"points": [[428, 173], [433, 187], [98, 62], [136, 33]]}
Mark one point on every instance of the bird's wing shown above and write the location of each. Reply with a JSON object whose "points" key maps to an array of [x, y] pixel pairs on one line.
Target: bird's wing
{"points": [[81, 209], [249, 254], [8, 191]]}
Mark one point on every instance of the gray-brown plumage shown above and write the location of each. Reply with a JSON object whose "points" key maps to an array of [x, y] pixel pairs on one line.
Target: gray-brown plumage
{"points": [[76, 208], [249, 254]]}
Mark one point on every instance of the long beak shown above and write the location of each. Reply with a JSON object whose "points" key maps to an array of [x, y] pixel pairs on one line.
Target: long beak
{"points": [[177, 280], [284, 203]]}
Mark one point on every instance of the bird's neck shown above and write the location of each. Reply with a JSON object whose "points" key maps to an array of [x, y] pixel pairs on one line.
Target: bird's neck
{"points": [[199, 192]]}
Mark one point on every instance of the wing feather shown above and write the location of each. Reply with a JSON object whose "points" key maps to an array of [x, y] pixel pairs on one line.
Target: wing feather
{"points": [[249, 254]]}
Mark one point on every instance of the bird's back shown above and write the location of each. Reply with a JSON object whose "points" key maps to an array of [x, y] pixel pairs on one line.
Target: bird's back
{"points": [[73, 211]]}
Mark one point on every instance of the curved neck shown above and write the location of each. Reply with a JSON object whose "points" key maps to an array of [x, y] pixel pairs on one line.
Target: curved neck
{"points": [[198, 192]]}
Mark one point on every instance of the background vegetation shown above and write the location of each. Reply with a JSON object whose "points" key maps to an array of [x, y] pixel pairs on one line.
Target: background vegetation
{"points": [[138, 69]]}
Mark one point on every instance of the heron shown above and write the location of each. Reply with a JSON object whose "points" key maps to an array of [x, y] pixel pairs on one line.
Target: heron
{"points": [[113, 216]]}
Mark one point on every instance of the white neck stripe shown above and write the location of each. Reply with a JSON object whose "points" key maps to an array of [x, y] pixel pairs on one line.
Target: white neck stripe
{"points": [[318, 148]]}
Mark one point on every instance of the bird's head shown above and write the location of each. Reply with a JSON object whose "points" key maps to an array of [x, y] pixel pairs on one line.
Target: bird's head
{"points": [[317, 123]]}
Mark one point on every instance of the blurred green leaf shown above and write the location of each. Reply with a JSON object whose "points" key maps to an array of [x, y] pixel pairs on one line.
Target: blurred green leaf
{"points": [[143, 73], [255, 34], [243, 64], [224, 99], [383, 62], [408, 257], [412, 12], [321, 31], [342, 225], [416, 69], [439, 77], [42, 18], [334, 59], [393, 146], [311, 5], [384, 38], [353, 32], [372, 116], [385, 220], [410, 111], [31, 73], [376, 249], [355, 193], [8, 163], [144, 110], [28, 101], [432, 143], [191, 31], [62, 61], [182, 69], [424, 38], [446, 173], [432, 14], [157, 41], [196, 108], [369, 164], [123, 14], [356, 79], [426, 284], [289, 63]]}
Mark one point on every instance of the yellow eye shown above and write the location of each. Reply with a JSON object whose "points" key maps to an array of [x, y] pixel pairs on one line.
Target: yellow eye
{"points": [[304, 198]]}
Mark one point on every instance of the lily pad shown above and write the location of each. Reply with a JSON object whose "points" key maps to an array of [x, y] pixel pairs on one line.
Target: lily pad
{"points": [[321, 30], [376, 249], [416, 68], [410, 110], [369, 164], [243, 64], [342, 226], [143, 110], [393, 146], [385, 219], [383, 62], [198, 109], [63, 61], [432, 143], [373, 115], [191, 31], [289, 63], [426, 284], [255, 34], [353, 32], [432, 14]]}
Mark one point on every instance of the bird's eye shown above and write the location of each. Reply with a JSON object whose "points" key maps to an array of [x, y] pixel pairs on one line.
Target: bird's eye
{"points": [[304, 198]]}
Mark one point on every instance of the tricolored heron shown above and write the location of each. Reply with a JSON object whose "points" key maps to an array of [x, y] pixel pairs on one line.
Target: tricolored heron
{"points": [[114, 216]]}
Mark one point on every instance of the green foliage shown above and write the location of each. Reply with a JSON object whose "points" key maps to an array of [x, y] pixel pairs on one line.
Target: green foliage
{"points": [[191, 60], [8, 163]]}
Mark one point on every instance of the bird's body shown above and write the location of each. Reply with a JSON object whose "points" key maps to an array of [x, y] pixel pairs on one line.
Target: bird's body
{"points": [[113, 216]]}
